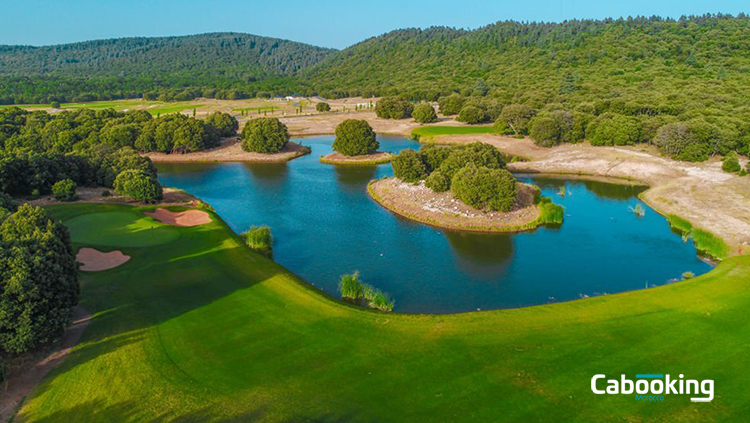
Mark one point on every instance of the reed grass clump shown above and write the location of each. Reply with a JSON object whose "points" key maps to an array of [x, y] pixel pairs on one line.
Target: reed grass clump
{"points": [[259, 238], [357, 292], [549, 212], [705, 242]]}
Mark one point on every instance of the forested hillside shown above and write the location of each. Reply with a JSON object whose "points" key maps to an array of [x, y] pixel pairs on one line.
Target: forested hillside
{"points": [[127, 67]]}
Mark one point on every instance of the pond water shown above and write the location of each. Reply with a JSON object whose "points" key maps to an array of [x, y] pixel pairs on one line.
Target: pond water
{"points": [[325, 225]]}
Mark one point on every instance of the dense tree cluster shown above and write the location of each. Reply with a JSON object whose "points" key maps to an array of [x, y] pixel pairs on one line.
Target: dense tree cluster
{"points": [[424, 113], [393, 108], [38, 279], [138, 185], [355, 138], [264, 135], [475, 173]]}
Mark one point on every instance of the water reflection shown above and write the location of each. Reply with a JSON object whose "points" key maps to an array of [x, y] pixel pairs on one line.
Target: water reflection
{"points": [[483, 256], [354, 176]]}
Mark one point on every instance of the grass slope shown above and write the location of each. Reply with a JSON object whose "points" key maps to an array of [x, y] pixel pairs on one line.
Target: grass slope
{"points": [[204, 329], [424, 132]]}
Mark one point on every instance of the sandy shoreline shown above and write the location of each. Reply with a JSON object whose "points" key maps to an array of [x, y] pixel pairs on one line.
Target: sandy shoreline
{"points": [[363, 160], [231, 151], [421, 204]]}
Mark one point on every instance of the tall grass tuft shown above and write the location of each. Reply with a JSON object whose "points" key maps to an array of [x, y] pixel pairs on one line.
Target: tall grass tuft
{"points": [[550, 213], [259, 238], [362, 294], [705, 242]]}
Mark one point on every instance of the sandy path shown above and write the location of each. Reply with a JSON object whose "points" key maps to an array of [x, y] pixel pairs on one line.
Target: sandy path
{"points": [[231, 151], [18, 386], [186, 218], [93, 260]]}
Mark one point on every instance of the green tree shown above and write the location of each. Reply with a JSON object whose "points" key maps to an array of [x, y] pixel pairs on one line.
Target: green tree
{"points": [[226, 125], [38, 279], [65, 190], [514, 119], [408, 166], [355, 138], [7, 203], [438, 182], [323, 107], [138, 185], [264, 135], [451, 104], [393, 108], [614, 129], [479, 154], [731, 163], [481, 187], [471, 115], [424, 113], [433, 155]]}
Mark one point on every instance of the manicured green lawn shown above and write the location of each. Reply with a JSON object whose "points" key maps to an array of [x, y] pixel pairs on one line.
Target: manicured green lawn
{"points": [[203, 329], [120, 229], [157, 107], [433, 131], [172, 108]]}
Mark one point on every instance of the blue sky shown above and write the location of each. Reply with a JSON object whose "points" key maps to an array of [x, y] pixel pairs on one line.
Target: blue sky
{"points": [[326, 23]]}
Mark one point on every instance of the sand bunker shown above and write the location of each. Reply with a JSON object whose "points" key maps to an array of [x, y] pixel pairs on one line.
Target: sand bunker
{"points": [[95, 260], [186, 218]]}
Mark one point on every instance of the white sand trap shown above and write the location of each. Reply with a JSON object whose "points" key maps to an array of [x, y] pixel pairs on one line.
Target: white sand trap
{"points": [[186, 218], [95, 260]]}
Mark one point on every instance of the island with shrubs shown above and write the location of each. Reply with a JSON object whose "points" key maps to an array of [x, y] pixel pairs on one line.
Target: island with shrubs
{"points": [[356, 144], [463, 187]]}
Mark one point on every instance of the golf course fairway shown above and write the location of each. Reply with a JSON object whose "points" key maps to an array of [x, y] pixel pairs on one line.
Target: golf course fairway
{"points": [[200, 328]]}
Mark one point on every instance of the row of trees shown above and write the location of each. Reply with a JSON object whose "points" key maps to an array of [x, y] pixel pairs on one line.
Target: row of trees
{"points": [[474, 173]]}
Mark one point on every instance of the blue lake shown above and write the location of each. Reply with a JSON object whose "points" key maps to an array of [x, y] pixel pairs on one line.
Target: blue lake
{"points": [[325, 225]]}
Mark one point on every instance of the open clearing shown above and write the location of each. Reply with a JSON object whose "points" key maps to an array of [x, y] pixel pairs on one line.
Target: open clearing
{"points": [[206, 330]]}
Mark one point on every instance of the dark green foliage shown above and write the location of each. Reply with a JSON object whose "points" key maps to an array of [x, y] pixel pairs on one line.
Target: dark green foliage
{"points": [[55, 105], [482, 187], [451, 104], [138, 185], [259, 238], [225, 124], [65, 190], [424, 113], [514, 119], [408, 166], [162, 67], [479, 154], [692, 141], [355, 138], [393, 108], [614, 129], [438, 182], [38, 279], [731, 163], [7, 203], [552, 128], [433, 156], [264, 135], [471, 114], [323, 107]]}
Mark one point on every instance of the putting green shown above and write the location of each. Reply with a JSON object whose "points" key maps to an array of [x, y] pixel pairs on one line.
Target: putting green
{"points": [[120, 229], [205, 330]]}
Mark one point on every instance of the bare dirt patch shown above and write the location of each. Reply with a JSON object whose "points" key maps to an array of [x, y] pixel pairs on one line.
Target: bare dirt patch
{"points": [[702, 193], [231, 150], [325, 123], [186, 218], [365, 159], [417, 202], [28, 370], [93, 260]]}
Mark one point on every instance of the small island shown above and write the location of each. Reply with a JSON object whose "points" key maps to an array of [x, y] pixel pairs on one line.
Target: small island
{"points": [[462, 188], [356, 144]]}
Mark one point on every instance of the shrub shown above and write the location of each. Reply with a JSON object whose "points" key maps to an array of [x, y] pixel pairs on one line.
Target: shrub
{"points": [[7, 203], [545, 131], [482, 187], [138, 185], [514, 119], [355, 138], [323, 107], [259, 238], [438, 182], [393, 108], [225, 124], [424, 113], [408, 166], [264, 135], [479, 154], [550, 213], [55, 105], [65, 190], [471, 115], [614, 129], [433, 156], [38, 279], [451, 105], [731, 163]]}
